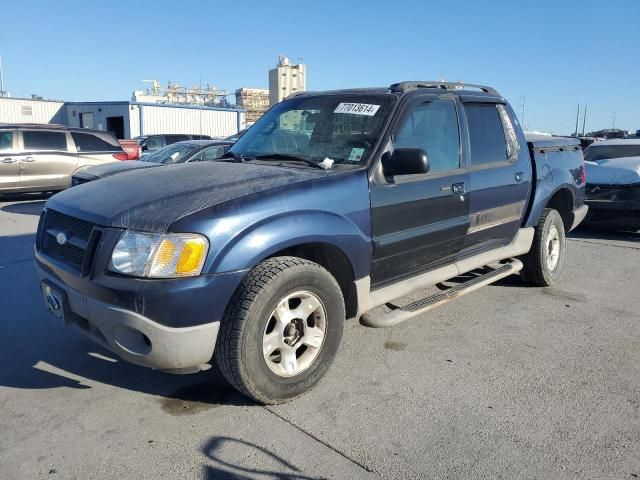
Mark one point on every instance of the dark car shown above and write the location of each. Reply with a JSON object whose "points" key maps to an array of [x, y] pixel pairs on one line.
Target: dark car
{"points": [[236, 136], [181, 152], [613, 184], [330, 205], [150, 143]]}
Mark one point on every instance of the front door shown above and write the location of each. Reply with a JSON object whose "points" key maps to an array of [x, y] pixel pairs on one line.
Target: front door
{"points": [[9, 165], [419, 221]]}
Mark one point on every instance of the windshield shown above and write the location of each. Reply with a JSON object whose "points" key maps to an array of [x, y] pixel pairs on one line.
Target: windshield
{"points": [[176, 153], [342, 128], [602, 152]]}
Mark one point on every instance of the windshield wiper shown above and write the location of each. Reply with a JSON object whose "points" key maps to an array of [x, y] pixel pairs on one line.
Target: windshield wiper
{"points": [[236, 156], [289, 157]]}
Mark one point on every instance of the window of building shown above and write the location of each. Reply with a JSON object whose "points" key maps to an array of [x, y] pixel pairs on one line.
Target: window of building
{"points": [[486, 134], [36, 140], [27, 111], [87, 142], [433, 127]]}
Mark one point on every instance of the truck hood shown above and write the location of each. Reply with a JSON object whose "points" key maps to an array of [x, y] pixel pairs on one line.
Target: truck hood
{"points": [[152, 199], [613, 171], [108, 169]]}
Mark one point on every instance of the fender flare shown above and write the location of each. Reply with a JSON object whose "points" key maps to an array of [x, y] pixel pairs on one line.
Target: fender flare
{"points": [[261, 240]]}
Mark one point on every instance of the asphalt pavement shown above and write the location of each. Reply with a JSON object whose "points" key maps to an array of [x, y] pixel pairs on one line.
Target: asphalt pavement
{"points": [[507, 382]]}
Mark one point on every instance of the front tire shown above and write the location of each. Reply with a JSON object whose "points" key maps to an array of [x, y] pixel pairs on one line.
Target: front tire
{"points": [[543, 264], [282, 330]]}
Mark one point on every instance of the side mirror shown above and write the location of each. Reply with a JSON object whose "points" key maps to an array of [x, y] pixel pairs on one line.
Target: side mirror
{"points": [[144, 148], [405, 161]]}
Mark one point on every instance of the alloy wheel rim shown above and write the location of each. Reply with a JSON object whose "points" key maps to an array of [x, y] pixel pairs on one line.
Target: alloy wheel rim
{"points": [[294, 334], [553, 248]]}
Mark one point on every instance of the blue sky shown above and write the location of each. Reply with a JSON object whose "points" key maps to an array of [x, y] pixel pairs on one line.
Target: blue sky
{"points": [[556, 54]]}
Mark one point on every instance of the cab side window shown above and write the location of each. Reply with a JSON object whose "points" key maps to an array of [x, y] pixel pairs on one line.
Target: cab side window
{"points": [[486, 134], [213, 153], [433, 127]]}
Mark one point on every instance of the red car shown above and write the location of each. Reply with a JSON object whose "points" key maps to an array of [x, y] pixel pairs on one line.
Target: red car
{"points": [[131, 148]]}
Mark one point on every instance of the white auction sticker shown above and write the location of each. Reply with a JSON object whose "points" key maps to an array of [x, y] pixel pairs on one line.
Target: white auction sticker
{"points": [[357, 109]]}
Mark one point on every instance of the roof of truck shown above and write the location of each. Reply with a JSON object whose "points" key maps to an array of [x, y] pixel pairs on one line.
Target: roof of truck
{"points": [[410, 86]]}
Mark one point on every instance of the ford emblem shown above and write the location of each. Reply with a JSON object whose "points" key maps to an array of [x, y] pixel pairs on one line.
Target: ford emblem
{"points": [[61, 238]]}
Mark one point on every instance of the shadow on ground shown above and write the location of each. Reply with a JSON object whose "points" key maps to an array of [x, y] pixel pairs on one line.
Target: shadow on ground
{"points": [[605, 234], [38, 352], [25, 208], [224, 470]]}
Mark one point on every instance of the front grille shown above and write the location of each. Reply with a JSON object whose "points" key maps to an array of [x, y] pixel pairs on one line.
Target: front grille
{"points": [[68, 240]]}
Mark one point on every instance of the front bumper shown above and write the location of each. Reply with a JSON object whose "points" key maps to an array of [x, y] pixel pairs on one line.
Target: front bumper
{"points": [[134, 337]]}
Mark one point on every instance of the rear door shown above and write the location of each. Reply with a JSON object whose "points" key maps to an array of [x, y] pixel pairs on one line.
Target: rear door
{"points": [[419, 221], [47, 159], [9, 165], [500, 175]]}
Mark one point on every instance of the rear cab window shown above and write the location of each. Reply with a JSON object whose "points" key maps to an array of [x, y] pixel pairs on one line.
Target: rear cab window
{"points": [[88, 142], [44, 140], [486, 134]]}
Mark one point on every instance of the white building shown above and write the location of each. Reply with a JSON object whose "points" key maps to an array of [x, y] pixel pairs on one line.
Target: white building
{"points": [[126, 119], [286, 79]]}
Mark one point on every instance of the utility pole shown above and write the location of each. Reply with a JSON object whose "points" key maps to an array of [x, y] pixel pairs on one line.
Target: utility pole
{"points": [[613, 126], [524, 101], [2, 92], [584, 119], [577, 120]]}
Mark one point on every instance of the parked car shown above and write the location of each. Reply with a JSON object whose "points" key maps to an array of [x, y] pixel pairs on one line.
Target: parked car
{"points": [[332, 204], [42, 158], [236, 136], [181, 152], [150, 143], [613, 184], [131, 148]]}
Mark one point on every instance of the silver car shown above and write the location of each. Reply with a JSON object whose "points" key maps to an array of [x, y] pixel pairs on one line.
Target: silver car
{"points": [[43, 158]]}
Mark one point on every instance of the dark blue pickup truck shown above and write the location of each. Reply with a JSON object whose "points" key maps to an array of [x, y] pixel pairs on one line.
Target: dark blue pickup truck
{"points": [[332, 204]]}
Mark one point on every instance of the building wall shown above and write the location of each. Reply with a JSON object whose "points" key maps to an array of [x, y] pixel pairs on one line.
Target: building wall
{"points": [[18, 110], [286, 79], [200, 121], [100, 112]]}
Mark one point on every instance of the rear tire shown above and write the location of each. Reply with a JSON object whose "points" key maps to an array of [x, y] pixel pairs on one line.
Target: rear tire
{"points": [[282, 330], [543, 264]]}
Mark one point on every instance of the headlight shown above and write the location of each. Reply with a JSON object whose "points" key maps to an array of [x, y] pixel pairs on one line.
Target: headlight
{"points": [[159, 255]]}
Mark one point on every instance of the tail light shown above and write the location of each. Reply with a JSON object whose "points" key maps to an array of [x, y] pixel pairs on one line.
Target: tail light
{"points": [[583, 177], [120, 156]]}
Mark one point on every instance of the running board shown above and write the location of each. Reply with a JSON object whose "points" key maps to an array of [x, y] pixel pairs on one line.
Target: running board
{"points": [[400, 314]]}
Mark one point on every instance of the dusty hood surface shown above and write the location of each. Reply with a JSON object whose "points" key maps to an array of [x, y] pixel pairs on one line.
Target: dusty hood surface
{"points": [[613, 171], [152, 199], [108, 169]]}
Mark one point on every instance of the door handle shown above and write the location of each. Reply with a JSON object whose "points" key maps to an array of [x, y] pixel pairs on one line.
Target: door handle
{"points": [[29, 159], [9, 160], [519, 177], [458, 188]]}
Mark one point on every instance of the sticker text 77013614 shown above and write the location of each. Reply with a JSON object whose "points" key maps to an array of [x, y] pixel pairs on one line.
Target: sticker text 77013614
{"points": [[357, 109]]}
